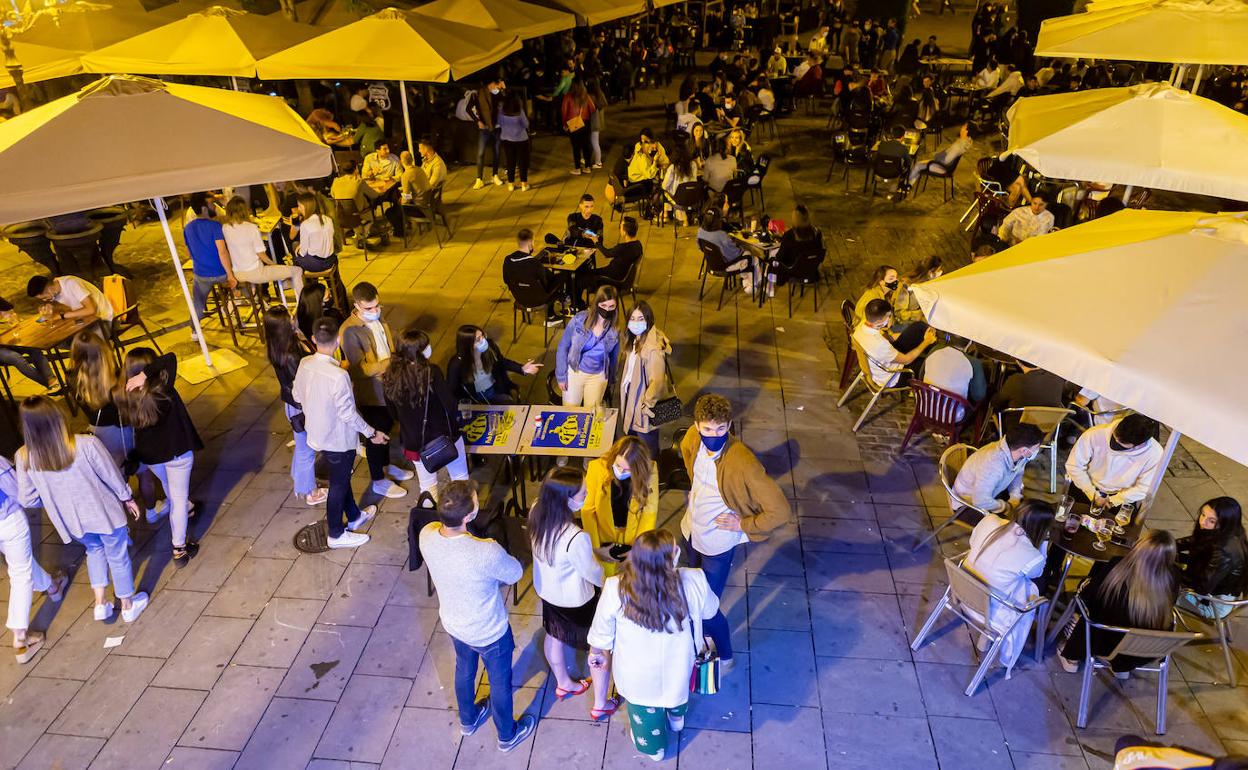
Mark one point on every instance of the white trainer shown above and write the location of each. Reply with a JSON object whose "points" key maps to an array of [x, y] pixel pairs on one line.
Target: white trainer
{"points": [[138, 603], [399, 473], [347, 540], [387, 488], [103, 611], [367, 514], [477, 185], [497, 182], [317, 497]]}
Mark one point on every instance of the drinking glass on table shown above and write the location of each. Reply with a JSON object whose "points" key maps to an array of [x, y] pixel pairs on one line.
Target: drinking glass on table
{"points": [[1104, 531], [1122, 519], [1064, 507]]}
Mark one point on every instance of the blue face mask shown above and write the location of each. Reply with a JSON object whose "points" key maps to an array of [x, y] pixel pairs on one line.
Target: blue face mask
{"points": [[621, 475], [714, 443], [370, 315], [638, 328], [482, 345]]}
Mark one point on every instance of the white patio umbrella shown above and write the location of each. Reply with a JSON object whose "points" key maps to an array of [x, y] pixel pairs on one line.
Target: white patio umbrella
{"points": [[126, 138], [1150, 135], [1143, 307], [1176, 31]]}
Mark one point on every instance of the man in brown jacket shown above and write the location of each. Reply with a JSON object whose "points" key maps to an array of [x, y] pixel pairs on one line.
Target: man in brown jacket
{"points": [[366, 343], [731, 500]]}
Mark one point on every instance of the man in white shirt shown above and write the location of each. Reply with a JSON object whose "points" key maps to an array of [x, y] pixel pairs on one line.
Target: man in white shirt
{"points": [[1026, 221], [732, 500], [432, 163], [949, 369], [887, 356], [1011, 84], [997, 468], [366, 345], [69, 296], [1115, 463], [382, 164], [470, 574], [333, 427]]}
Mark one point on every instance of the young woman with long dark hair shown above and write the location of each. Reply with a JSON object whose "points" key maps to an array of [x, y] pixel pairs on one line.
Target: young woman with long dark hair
{"points": [[73, 478], [285, 350], [567, 578], [576, 111], [418, 396], [165, 439], [647, 619], [588, 350], [1135, 591], [621, 499], [478, 372], [643, 375], [316, 252], [1215, 556]]}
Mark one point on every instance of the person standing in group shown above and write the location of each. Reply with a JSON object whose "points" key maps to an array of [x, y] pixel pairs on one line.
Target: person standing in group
{"points": [[334, 427], [478, 370], [469, 574], [513, 127], [417, 394], [367, 345], [285, 351], [483, 108], [597, 120], [621, 500], [588, 351], [25, 574], [576, 111], [210, 259], [165, 439], [567, 578], [732, 500], [643, 377], [249, 258], [317, 251], [75, 481], [649, 619]]}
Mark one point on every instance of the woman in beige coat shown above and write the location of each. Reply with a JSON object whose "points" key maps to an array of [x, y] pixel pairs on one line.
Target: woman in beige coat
{"points": [[643, 375]]}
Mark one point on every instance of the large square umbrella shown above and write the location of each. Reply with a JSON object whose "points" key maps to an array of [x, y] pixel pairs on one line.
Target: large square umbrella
{"points": [[519, 18], [1176, 31], [593, 12], [1150, 135], [216, 41], [1143, 307], [126, 138], [52, 46]]}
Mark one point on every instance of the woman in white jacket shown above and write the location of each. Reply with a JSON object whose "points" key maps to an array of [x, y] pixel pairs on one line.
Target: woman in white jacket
{"points": [[1009, 555], [567, 577], [648, 617]]}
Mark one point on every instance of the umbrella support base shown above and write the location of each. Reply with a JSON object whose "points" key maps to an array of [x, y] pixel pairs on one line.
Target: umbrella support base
{"points": [[194, 370]]}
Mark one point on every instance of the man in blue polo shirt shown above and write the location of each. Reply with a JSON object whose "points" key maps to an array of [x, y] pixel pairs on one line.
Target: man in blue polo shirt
{"points": [[210, 260]]}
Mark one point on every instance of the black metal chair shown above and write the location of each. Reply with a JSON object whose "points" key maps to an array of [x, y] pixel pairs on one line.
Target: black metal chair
{"points": [[714, 263], [426, 213], [627, 285], [525, 299], [945, 175], [734, 193], [626, 196], [688, 198], [857, 156], [754, 181], [348, 216], [890, 168], [800, 269]]}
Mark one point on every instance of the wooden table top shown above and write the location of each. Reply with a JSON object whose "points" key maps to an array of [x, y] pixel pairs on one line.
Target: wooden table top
{"points": [[33, 333], [493, 429], [570, 431], [381, 186], [577, 261]]}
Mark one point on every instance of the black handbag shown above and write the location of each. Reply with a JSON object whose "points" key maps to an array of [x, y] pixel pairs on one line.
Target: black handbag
{"points": [[438, 452], [667, 409]]}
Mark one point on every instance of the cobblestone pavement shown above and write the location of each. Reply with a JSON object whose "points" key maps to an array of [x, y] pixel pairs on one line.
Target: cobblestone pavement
{"points": [[257, 656]]}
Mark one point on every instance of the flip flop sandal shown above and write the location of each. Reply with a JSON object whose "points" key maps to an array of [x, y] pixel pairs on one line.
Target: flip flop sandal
{"points": [[562, 694], [604, 714]]}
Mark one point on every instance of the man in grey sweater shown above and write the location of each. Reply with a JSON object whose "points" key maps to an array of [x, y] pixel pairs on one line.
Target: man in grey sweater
{"points": [[470, 574]]}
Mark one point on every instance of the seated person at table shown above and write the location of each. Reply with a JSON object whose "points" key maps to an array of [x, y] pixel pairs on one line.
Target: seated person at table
{"points": [[906, 308], [70, 297], [1214, 557], [810, 82], [877, 86], [720, 167], [777, 65], [1133, 591], [930, 50], [524, 271], [584, 226], [740, 149], [316, 252], [706, 101], [804, 66], [884, 283], [686, 120], [210, 258], [413, 181], [648, 161], [1026, 221], [478, 372], [764, 93], [730, 114], [348, 186], [1008, 172], [699, 145], [953, 371], [328, 130], [1031, 87], [382, 165], [33, 364], [994, 473], [1032, 386], [736, 258], [621, 257], [248, 256], [941, 161], [1008, 556], [887, 356], [1115, 463], [1009, 86], [432, 163]]}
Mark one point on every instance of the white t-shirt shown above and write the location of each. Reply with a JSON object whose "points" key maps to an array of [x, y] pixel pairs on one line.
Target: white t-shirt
{"points": [[881, 355], [316, 237], [73, 292], [705, 504], [244, 243], [949, 369], [379, 339]]}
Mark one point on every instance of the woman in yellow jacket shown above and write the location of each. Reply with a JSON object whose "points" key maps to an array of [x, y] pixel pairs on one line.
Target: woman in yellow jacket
{"points": [[621, 500]]}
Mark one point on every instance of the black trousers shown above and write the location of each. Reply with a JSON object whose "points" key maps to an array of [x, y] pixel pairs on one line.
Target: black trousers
{"points": [[378, 455], [582, 150], [516, 154], [340, 505]]}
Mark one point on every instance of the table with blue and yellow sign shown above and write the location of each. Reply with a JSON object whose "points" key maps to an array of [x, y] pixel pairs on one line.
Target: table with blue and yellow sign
{"points": [[492, 429], [567, 431]]}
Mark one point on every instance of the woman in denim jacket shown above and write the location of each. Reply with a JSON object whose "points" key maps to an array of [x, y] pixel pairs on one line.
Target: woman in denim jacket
{"points": [[588, 351]]}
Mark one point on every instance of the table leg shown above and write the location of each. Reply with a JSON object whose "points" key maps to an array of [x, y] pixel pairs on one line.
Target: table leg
{"points": [[1051, 636]]}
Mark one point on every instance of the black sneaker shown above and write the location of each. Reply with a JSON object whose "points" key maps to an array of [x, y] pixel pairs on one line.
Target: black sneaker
{"points": [[187, 553], [482, 716], [525, 726]]}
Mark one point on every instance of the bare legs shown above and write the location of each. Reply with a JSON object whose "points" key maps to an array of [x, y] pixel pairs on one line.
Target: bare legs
{"points": [[556, 656]]}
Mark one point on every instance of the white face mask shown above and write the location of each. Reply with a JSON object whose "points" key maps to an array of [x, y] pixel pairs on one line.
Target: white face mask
{"points": [[427, 352], [482, 345], [638, 328]]}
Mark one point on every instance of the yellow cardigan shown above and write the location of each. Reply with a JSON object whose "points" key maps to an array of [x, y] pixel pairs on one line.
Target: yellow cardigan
{"points": [[596, 518]]}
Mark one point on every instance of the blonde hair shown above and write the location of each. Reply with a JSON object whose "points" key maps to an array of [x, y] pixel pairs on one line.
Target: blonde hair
{"points": [[49, 446], [1146, 579], [95, 372], [640, 466], [237, 212]]}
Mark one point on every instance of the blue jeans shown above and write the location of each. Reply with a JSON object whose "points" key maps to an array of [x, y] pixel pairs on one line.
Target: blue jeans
{"points": [[110, 553], [340, 506], [31, 363], [497, 658], [487, 137], [200, 291], [303, 464], [716, 568]]}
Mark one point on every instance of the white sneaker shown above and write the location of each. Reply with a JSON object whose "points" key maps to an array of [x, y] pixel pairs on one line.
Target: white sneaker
{"points": [[367, 514], [477, 185], [387, 488], [194, 336], [511, 187], [317, 497], [576, 172], [657, 756], [597, 165], [103, 611], [347, 540], [138, 603], [497, 182], [676, 723], [524, 187], [399, 473], [156, 514]]}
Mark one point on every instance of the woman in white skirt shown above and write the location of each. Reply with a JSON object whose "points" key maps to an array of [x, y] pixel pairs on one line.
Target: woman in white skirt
{"points": [[25, 574]]}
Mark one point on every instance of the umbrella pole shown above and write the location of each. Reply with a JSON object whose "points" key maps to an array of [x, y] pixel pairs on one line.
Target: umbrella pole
{"points": [[233, 82], [1196, 83], [159, 203], [407, 119], [1166, 456]]}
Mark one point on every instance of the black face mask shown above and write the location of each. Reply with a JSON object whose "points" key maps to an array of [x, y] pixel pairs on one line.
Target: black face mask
{"points": [[607, 315], [1116, 446], [891, 285]]}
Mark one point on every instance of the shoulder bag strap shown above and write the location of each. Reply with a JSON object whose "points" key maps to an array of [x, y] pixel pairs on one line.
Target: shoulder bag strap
{"points": [[695, 623]]}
